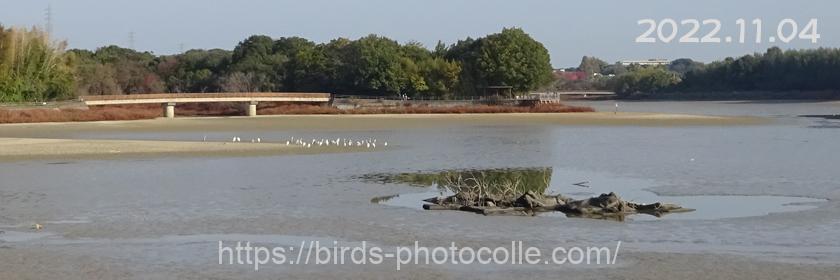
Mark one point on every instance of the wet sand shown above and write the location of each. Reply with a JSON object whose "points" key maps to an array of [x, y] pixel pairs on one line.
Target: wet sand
{"points": [[369, 122], [23, 141], [39, 148]]}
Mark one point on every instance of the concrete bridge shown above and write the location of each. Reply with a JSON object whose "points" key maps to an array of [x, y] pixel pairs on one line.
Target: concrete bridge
{"points": [[169, 100]]}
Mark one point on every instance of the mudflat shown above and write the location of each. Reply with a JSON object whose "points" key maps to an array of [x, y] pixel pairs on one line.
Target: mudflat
{"points": [[26, 141], [146, 220], [40, 148], [366, 122]]}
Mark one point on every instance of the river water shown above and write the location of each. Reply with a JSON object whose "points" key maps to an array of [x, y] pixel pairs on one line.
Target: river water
{"points": [[765, 191]]}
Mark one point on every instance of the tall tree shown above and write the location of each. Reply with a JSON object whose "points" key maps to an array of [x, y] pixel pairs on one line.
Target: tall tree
{"points": [[684, 65], [374, 65], [302, 58], [132, 71], [441, 77], [510, 58], [592, 65], [258, 56], [195, 70], [645, 80]]}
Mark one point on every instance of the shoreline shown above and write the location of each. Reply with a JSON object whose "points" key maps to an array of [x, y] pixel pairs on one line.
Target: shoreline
{"points": [[31, 141], [577, 118]]}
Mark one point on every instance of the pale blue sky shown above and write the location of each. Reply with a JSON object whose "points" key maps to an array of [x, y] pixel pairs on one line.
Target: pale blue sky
{"points": [[569, 29]]}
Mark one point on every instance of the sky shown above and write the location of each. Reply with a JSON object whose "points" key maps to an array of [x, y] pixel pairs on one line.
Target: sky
{"points": [[569, 29]]}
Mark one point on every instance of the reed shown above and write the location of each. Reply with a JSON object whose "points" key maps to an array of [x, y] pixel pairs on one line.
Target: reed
{"points": [[472, 109], [32, 66]]}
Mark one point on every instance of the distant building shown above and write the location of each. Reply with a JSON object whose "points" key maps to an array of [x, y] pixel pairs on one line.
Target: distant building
{"points": [[653, 62]]}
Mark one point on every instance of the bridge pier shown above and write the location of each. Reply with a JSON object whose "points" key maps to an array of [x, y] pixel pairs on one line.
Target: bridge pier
{"points": [[169, 110], [252, 108]]}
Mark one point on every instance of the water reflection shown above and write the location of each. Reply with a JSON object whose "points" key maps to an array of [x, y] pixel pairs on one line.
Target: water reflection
{"points": [[383, 199], [538, 180], [827, 117], [535, 179], [825, 121]]}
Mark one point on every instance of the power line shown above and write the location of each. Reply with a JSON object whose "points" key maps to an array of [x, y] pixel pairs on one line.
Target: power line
{"points": [[48, 17], [131, 40]]}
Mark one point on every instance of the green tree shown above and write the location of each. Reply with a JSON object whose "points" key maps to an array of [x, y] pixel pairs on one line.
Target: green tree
{"points": [[412, 79], [465, 52], [302, 58], [441, 77], [374, 65], [195, 70], [592, 65], [513, 58], [259, 56], [791, 71], [329, 71], [132, 71], [645, 80], [684, 65], [510, 58]]}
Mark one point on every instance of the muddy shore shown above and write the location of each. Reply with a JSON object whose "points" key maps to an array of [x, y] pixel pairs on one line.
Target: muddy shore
{"points": [[368, 122]]}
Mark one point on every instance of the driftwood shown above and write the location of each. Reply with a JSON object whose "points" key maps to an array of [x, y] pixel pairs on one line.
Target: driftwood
{"points": [[606, 206]]}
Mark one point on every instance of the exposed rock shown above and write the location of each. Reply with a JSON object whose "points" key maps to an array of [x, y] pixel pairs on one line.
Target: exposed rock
{"points": [[605, 206]]}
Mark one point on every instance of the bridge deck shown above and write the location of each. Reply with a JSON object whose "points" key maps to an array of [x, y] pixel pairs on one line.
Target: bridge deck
{"points": [[204, 97]]}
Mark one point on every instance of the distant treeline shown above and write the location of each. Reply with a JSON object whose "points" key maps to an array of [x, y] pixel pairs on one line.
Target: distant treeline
{"points": [[35, 68], [776, 74], [372, 65], [775, 70]]}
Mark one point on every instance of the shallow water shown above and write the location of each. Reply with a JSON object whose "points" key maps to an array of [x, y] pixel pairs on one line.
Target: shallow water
{"points": [[765, 191], [707, 207]]}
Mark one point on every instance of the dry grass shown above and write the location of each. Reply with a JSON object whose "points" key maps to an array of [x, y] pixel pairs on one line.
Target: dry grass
{"points": [[150, 111], [115, 113], [474, 109], [111, 113]]}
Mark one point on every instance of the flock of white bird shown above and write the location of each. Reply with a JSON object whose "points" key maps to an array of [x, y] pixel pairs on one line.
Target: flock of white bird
{"points": [[338, 142], [369, 143]]}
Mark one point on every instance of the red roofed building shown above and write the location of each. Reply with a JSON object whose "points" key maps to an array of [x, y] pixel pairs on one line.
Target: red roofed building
{"points": [[570, 75]]}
